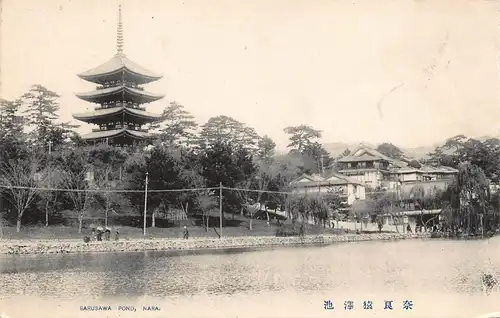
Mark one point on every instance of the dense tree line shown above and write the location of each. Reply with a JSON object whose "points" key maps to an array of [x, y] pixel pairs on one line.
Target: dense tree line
{"points": [[37, 150]]}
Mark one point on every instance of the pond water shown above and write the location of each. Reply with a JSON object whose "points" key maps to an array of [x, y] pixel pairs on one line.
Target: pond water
{"points": [[441, 278]]}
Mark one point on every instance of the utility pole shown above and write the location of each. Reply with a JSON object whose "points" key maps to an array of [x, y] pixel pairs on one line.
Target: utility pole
{"points": [[322, 167], [107, 185], [220, 208], [482, 226], [49, 183], [145, 202]]}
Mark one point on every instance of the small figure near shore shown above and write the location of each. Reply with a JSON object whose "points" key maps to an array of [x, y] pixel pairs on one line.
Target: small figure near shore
{"points": [[100, 232], [186, 233], [117, 235], [408, 228], [301, 230], [107, 234]]}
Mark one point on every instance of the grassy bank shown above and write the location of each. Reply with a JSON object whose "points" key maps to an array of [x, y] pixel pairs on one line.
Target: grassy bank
{"points": [[259, 228], [199, 243]]}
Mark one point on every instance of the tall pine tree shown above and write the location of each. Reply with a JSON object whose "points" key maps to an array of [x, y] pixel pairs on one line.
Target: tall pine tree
{"points": [[12, 135], [177, 125], [41, 106]]}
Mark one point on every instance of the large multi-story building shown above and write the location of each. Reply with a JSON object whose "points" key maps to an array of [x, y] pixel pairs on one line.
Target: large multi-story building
{"points": [[375, 169], [119, 96], [368, 166]]}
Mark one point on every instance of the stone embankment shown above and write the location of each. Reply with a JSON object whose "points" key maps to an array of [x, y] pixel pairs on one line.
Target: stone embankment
{"points": [[67, 246]]}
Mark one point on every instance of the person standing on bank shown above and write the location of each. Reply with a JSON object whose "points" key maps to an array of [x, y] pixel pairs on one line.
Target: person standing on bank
{"points": [[186, 233], [107, 233], [408, 228]]}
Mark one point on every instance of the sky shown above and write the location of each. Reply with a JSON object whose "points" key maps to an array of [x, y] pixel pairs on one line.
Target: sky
{"points": [[408, 72]]}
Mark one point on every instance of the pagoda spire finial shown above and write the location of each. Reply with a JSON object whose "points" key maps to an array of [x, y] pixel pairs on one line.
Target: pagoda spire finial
{"points": [[119, 32]]}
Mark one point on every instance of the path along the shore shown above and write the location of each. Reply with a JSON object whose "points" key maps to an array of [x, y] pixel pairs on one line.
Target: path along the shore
{"points": [[134, 245]]}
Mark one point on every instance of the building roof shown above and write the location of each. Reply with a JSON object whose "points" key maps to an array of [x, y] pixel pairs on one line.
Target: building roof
{"points": [[332, 179], [439, 169], [360, 158], [370, 154], [116, 133], [104, 112], [334, 174], [426, 169], [94, 96], [119, 62]]}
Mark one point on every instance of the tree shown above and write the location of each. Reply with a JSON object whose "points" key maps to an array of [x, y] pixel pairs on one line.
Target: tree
{"points": [[321, 209], [455, 142], [338, 206], [41, 112], [19, 178], [362, 210], [440, 157], [206, 203], [460, 149], [250, 201], [301, 136], [49, 177], [266, 177], [386, 203], [226, 163], [315, 158], [107, 168], [12, 137], [75, 179], [446, 154], [266, 148], [11, 123], [62, 134], [224, 129], [167, 167], [176, 125], [468, 199], [415, 164], [170, 168], [232, 166], [316, 206], [390, 150], [134, 178]]}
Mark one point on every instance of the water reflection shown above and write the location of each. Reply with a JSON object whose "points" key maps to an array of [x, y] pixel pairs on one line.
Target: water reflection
{"points": [[373, 267]]}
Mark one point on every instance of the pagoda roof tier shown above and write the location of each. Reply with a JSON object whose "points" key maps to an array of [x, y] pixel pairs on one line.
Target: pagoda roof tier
{"points": [[119, 68], [115, 133], [104, 115], [119, 93]]}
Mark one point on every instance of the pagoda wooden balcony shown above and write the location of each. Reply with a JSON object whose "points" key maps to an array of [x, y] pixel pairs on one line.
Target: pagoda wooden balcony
{"points": [[113, 128], [120, 105], [120, 84]]}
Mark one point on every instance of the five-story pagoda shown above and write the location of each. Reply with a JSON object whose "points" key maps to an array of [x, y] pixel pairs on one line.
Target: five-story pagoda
{"points": [[119, 95]]}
